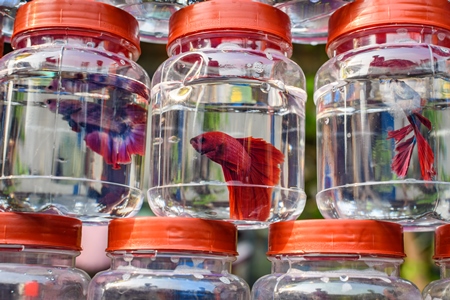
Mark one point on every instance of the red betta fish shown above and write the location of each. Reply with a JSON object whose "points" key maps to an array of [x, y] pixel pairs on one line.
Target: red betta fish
{"points": [[114, 134], [252, 162], [404, 145]]}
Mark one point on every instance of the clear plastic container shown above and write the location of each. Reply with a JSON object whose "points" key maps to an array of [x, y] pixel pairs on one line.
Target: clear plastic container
{"points": [[335, 259], [309, 18], [153, 16], [8, 10], [37, 260], [169, 258], [382, 138], [227, 139], [440, 289], [74, 112]]}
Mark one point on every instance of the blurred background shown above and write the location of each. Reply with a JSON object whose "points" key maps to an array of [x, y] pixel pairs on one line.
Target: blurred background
{"points": [[252, 263]]}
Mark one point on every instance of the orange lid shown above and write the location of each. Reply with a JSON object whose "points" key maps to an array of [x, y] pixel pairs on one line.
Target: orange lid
{"points": [[229, 14], [178, 234], [78, 14], [336, 237], [367, 13], [442, 242], [42, 230]]}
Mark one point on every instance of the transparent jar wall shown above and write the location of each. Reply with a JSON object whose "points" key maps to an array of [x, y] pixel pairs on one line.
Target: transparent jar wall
{"points": [[309, 18], [74, 123], [41, 274], [338, 277], [163, 275], [220, 97], [364, 97], [153, 16], [439, 289]]}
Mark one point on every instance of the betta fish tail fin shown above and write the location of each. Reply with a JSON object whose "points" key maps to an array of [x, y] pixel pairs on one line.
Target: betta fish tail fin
{"points": [[424, 151], [116, 149], [404, 147], [400, 163], [252, 201]]}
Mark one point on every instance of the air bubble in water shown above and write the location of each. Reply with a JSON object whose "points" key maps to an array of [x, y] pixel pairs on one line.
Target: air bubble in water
{"points": [[265, 87], [157, 141], [258, 67], [343, 278], [174, 139]]}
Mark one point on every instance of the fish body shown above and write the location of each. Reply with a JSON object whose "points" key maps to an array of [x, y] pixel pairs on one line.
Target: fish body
{"points": [[250, 164], [115, 134], [404, 140]]}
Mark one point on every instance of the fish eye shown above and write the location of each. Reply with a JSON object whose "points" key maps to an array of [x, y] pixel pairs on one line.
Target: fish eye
{"points": [[50, 87], [202, 140]]}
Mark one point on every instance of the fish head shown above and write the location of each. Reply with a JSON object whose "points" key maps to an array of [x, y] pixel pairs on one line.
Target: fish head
{"points": [[52, 104], [206, 142], [64, 107]]}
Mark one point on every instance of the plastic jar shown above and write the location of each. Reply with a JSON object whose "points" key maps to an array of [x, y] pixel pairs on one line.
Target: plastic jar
{"points": [[440, 289], [8, 10], [74, 111], [170, 258], [382, 143], [309, 18], [227, 139], [335, 259], [153, 16], [37, 259]]}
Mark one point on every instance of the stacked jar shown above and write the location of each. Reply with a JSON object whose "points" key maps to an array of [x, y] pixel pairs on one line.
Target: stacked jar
{"points": [[74, 112], [440, 289], [227, 121], [37, 258], [170, 258], [381, 138], [335, 259]]}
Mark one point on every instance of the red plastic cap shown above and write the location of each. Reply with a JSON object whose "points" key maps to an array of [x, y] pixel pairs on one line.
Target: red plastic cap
{"points": [[177, 234], [362, 14], [41, 230], [442, 242], [229, 14], [336, 237], [77, 14]]}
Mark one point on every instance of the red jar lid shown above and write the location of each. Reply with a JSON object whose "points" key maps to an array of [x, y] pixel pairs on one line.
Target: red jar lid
{"points": [[362, 14], [172, 234], [80, 14], [221, 15], [442, 242], [40, 230], [336, 237]]}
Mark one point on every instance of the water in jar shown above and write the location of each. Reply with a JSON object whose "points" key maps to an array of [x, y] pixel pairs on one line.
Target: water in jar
{"points": [[383, 150], [72, 143], [169, 277], [228, 149]]}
